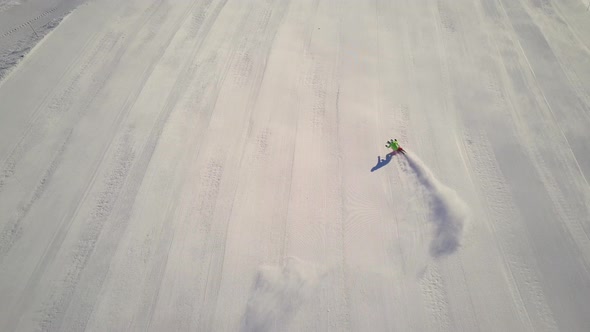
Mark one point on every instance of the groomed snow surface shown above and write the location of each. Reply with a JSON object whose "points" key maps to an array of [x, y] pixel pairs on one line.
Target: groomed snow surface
{"points": [[219, 165]]}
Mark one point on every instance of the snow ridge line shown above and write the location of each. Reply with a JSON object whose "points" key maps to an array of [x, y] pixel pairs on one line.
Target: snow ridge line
{"points": [[13, 229], [269, 20], [50, 110], [542, 92], [58, 238], [46, 322], [300, 81], [131, 189], [449, 212], [18, 27], [125, 193]]}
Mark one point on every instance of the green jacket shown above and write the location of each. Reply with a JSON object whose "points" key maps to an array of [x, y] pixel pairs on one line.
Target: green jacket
{"points": [[393, 145]]}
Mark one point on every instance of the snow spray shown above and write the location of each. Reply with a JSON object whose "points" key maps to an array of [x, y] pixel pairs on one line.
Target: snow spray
{"points": [[448, 211]]}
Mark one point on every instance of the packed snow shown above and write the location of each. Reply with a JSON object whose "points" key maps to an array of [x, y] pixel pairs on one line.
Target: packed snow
{"points": [[220, 165]]}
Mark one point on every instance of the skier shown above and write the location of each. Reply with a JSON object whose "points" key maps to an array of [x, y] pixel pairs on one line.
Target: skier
{"points": [[394, 145]]}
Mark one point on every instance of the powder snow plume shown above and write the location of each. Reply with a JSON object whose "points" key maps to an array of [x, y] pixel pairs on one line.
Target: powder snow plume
{"points": [[278, 293], [448, 211]]}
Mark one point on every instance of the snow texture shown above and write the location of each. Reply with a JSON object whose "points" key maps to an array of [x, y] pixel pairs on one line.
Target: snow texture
{"points": [[209, 165]]}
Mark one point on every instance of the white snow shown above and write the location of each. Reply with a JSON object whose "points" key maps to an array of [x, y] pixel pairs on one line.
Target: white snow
{"points": [[220, 165]]}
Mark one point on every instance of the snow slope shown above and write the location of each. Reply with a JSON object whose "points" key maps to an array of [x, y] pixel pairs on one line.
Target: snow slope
{"points": [[25, 22], [220, 165]]}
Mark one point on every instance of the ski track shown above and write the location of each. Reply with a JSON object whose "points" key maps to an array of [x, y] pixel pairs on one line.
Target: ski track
{"points": [[206, 165], [101, 210], [435, 285], [31, 143], [133, 184]]}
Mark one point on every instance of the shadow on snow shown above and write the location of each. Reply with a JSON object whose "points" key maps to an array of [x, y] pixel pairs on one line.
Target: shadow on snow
{"points": [[383, 162]]}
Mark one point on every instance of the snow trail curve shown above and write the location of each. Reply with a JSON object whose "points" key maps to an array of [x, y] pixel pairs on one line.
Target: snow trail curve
{"points": [[448, 212]]}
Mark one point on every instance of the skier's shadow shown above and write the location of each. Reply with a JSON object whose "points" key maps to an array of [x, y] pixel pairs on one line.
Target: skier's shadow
{"points": [[382, 162]]}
